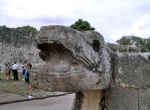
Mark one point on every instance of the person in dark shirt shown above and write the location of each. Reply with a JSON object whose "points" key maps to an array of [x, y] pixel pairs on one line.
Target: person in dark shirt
{"points": [[27, 72]]}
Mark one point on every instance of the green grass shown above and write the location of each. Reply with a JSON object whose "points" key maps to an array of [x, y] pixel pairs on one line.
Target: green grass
{"points": [[2, 77], [22, 90], [17, 87], [10, 87]]}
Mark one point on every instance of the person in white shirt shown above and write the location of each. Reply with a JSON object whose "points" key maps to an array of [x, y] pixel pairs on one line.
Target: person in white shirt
{"points": [[15, 71]]}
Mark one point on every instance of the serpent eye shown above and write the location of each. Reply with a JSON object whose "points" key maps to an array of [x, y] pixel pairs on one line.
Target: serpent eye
{"points": [[96, 45]]}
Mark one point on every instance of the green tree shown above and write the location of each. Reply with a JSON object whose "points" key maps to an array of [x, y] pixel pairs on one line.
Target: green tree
{"points": [[28, 28], [4, 26], [81, 25], [125, 40], [142, 43], [148, 43]]}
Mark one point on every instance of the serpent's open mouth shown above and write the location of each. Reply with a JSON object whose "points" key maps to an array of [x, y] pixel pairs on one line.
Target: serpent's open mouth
{"points": [[61, 60]]}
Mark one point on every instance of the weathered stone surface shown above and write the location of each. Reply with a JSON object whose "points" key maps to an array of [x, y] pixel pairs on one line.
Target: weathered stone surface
{"points": [[144, 99], [146, 55], [119, 98], [75, 61], [131, 70], [130, 88], [126, 98], [18, 45]]}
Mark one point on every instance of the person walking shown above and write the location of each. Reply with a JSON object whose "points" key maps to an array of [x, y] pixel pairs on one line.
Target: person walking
{"points": [[6, 70], [0, 71], [15, 71], [12, 71], [9, 67], [27, 72]]}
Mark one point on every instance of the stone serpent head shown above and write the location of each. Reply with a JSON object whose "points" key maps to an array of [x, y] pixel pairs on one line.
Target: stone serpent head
{"points": [[75, 61]]}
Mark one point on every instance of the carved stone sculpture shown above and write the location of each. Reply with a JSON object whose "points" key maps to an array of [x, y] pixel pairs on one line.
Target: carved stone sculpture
{"points": [[81, 62]]}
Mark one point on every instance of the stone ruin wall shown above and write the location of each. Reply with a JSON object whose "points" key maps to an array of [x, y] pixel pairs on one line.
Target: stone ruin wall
{"points": [[123, 48], [128, 49], [18, 45]]}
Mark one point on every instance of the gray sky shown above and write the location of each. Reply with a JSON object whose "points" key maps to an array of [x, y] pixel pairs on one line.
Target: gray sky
{"points": [[112, 18]]}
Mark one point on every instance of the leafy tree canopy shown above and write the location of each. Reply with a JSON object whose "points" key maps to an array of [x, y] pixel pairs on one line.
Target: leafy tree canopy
{"points": [[142, 43], [81, 25], [28, 28], [4, 26]]}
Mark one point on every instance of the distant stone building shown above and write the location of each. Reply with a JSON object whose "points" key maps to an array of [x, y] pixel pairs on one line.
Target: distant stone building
{"points": [[18, 45], [123, 48]]}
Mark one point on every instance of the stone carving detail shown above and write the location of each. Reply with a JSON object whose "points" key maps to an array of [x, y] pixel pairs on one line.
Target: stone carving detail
{"points": [[75, 61], [82, 62]]}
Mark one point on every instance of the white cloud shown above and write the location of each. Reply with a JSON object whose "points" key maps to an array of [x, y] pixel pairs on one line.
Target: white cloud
{"points": [[113, 19], [141, 27], [32, 8]]}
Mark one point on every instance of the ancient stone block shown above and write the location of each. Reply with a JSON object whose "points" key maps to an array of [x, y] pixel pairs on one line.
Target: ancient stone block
{"points": [[119, 98], [131, 70], [144, 99]]}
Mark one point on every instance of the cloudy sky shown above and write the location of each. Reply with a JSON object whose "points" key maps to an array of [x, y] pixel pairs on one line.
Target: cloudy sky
{"points": [[112, 18]]}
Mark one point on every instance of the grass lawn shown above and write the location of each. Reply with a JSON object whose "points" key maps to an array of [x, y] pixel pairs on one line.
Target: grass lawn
{"points": [[17, 87], [2, 77]]}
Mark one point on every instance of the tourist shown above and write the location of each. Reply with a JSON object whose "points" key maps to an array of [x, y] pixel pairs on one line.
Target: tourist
{"points": [[0, 71], [27, 72], [12, 71], [24, 67], [15, 71], [6, 70], [9, 67]]}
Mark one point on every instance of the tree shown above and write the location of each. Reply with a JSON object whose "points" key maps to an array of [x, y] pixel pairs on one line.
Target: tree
{"points": [[125, 40], [142, 43], [4, 26], [28, 28], [81, 25], [148, 43]]}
